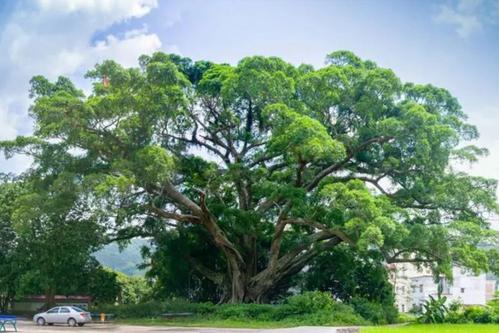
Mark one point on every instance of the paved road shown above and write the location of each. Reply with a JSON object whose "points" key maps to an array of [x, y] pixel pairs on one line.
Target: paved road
{"points": [[29, 327]]}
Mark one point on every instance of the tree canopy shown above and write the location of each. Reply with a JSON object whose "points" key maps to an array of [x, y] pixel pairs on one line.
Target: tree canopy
{"points": [[254, 170]]}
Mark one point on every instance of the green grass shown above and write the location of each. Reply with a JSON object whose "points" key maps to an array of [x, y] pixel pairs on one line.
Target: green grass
{"points": [[438, 328], [199, 322], [231, 323]]}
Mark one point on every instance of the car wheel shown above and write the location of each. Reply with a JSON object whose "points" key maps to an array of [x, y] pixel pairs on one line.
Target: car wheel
{"points": [[81, 324], [40, 321], [72, 322]]}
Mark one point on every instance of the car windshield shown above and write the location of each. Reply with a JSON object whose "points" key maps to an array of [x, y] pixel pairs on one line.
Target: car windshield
{"points": [[77, 309]]}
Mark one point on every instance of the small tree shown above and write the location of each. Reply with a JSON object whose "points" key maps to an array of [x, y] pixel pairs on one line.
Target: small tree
{"points": [[55, 234], [12, 265]]}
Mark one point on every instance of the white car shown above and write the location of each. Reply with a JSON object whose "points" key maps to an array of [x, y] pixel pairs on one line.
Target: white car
{"points": [[70, 315]]}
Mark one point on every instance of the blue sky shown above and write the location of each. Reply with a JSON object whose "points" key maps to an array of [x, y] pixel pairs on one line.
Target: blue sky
{"points": [[449, 43]]}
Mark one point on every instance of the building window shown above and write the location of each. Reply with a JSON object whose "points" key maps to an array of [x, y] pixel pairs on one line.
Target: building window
{"points": [[420, 288], [462, 290]]}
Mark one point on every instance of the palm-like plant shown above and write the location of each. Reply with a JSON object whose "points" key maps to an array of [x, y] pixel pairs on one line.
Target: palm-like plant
{"points": [[434, 310]]}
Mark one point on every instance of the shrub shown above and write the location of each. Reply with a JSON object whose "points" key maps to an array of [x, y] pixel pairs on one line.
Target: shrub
{"points": [[264, 312], [456, 317], [434, 310], [183, 305], [311, 301], [375, 312], [494, 304], [343, 314], [143, 310], [406, 318], [478, 314], [311, 308]]}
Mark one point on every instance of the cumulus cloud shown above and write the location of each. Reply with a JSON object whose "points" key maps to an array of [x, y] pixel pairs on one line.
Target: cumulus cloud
{"points": [[469, 16], [113, 10], [7, 125], [127, 50], [54, 37]]}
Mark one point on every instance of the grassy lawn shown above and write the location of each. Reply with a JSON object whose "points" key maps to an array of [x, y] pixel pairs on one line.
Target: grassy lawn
{"points": [[199, 322], [443, 328]]}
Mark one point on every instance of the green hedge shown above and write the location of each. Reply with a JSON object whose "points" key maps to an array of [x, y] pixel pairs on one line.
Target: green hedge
{"points": [[311, 308], [474, 314]]}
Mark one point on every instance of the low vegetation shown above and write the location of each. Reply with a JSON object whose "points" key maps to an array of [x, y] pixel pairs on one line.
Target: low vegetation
{"points": [[436, 311], [310, 308], [435, 328]]}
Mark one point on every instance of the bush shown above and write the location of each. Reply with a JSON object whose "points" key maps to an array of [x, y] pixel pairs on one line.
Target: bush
{"points": [[472, 314], [343, 314], [456, 317], [311, 308], [311, 301], [434, 310], [143, 310], [182, 305], [264, 312], [406, 318], [374, 312], [478, 315], [494, 304]]}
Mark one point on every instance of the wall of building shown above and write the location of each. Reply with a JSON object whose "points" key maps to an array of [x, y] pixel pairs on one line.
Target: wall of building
{"points": [[33, 306], [465, 288], [413, 287]]}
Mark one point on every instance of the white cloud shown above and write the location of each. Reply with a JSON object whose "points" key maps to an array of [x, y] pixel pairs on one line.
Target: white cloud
{"points": [[469, 16], [126, 51], [114, 10], [54, 37], [465, 24], [7, 125]]}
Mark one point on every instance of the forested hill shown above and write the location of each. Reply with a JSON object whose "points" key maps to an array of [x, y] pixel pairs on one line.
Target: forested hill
{"points": [[126, 260]]}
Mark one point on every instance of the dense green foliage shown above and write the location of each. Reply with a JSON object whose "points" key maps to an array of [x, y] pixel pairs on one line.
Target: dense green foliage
{"points": [[313, 308], [436, 328], [47, 242], [361, 281], [52, 237], [11, 263], [437, 310], [434, 310], [251, 171]]}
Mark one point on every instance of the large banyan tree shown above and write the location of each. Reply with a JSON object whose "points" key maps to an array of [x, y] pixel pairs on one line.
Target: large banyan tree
{"points": [[268, 163]]}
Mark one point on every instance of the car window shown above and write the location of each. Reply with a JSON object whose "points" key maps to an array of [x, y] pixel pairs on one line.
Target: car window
{"points": [[53, 310], [77, 309], [64, 310]]}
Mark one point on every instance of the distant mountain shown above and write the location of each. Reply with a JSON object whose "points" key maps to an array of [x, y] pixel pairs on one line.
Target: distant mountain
{"points": [[124, 261]]}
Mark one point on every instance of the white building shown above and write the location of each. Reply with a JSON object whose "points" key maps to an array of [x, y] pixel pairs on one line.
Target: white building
{"points": [[414, 286], [465, 288], [399, 277]]}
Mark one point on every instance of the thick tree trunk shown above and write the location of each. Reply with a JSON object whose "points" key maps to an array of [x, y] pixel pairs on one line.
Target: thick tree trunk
{"points": [[242, 282], [254, 288], [5, 300], [50, 297]]}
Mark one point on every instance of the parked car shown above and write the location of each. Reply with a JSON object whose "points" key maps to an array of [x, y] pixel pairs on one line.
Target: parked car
{"points": [[70, 315]]}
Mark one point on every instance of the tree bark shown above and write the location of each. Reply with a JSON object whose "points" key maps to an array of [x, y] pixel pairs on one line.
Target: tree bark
{"points": [[50, 297]]}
